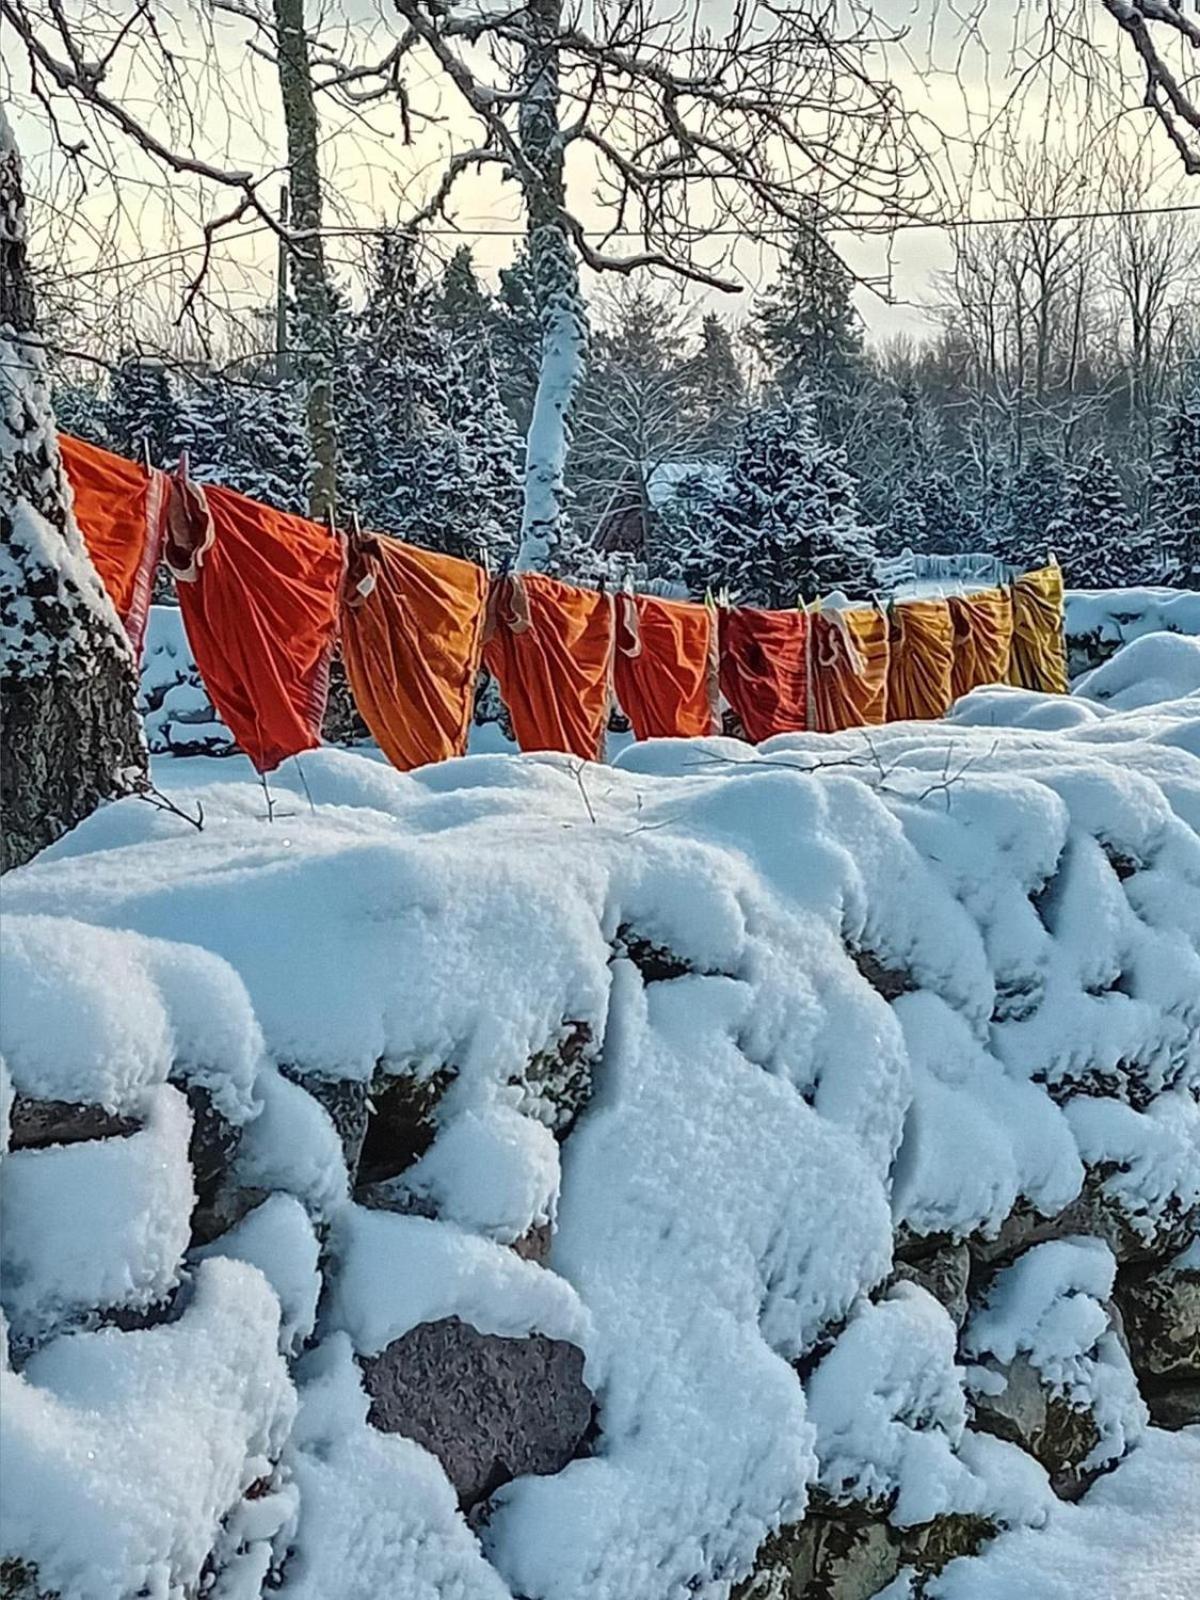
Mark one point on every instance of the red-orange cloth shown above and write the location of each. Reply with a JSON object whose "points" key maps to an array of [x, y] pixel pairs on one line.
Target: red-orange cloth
{"points": [[983, 634], [550, 649], [412, 633], [120, 509], [849, 669], [665, 667], [922, 660], [764, 670], [261, 615]]}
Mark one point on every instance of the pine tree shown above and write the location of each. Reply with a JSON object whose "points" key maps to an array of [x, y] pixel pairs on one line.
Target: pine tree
{"points": [[80, 409], [714, 390], [1176, 497], [1095, 535], [70, 737], [1031, 505], [461, 303], [785, 525], [517, 339], [142, 415], [432, 452], [808, 331], [247, 437]]}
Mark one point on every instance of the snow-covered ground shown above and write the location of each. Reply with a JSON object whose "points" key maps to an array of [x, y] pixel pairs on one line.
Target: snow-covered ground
{"points": [[754, 1036]]}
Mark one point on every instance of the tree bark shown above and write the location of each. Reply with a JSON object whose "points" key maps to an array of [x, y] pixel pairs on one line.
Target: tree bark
{"points": [[314, 352], [70, 736], [556, 286]]}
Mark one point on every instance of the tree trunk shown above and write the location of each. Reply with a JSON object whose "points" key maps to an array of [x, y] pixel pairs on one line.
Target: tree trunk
{"points": [[559, 301], [314, 338], [70, 737]]}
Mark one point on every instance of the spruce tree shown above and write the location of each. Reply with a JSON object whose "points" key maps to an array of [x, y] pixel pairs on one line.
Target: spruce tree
{"points": [[461, 303], [785, 524], [1095, 535], [808, 331], [1031, 506], [1176, 494], [142, 415], [80, 409], [714, 390], [517, 339], [248, 437]]}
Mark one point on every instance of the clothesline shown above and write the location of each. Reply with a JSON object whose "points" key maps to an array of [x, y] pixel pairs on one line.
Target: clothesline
{"points": [[266, 597]]}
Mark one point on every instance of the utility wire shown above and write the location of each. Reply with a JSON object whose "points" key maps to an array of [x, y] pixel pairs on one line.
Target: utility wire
{"points": [[879, 229]]}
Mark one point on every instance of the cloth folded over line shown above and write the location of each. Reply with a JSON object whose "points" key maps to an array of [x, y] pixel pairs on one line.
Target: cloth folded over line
{"points": [[259, 594], [983, 631], [665, 667], [550, 647], [120, 509], [764, 670], [1039, 651], [412, 634], [922, 661], [849, 663]]}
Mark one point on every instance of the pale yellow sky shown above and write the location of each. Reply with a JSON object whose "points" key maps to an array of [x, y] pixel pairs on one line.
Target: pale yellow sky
{"points": [[952, 79]]}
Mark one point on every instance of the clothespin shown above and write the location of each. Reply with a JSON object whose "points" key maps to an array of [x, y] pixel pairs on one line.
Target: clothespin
{"points": [[146, 462], [366, 584]]}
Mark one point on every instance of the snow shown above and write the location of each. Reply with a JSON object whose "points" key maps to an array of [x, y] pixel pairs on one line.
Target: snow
{"points": [[1118, 616], [1134, 1536], [379, 1515], [395, 1272], [100, 1224], [1050, 1307], [115, 1479], [752, 1128], [1153, 668], [277, 1238]]}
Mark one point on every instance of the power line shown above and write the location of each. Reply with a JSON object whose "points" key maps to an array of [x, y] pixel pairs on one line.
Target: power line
{"points": [[878, 228]]}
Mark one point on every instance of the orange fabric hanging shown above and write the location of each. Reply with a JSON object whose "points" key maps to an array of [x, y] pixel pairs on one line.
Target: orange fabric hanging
{"points": [[665, 667], [260, 605], [849, 669], [983, 631], [550, 647], [1039, 651], [922, 661], [412, 633], [120, 508], [764, 670]]}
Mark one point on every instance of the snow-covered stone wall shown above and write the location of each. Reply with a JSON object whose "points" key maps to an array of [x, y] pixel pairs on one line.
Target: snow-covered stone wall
{"points": [[763, 1173]]}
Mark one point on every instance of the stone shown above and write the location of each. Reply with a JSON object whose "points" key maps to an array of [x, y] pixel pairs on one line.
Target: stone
{"points": [[346, 1102], [655, 962], [1174, 1406], [36, 1124], [1160, 1308], [19, 1581], [401, 1123], [944, 1273], [211, 1150], [490, 1408], [535, 1245], [890, 982], [557, 1082], [1094, 1212], [1046, 1426]]}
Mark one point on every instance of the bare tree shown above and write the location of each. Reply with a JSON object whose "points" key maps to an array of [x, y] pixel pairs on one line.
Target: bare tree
{"points": [[71, 737], [1161, 34]]}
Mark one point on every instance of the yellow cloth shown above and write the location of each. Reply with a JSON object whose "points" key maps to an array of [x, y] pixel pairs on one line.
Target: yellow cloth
{"points": [[1039, 651], [983, 630], [922, 659]]}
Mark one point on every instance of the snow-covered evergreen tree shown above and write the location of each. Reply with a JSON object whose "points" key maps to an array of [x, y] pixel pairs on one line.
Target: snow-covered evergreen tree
{"points": [[517, 339], [809, 333], [713, 390], [142, 415], [785, 524], [460, 301], [432, 452], [80, 408], [248, 437], [1031, 503], [70, 737], [1095, 535], [1176, 497]]}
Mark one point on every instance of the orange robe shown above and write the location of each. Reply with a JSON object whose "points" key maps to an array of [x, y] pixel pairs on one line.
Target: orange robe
{"points": [[849, 669], [764, 670], [261, 613], [1039, 650], [550, 649], [665, 667], [922, 661], [983, 630], [412, 634], [120, 509]]}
